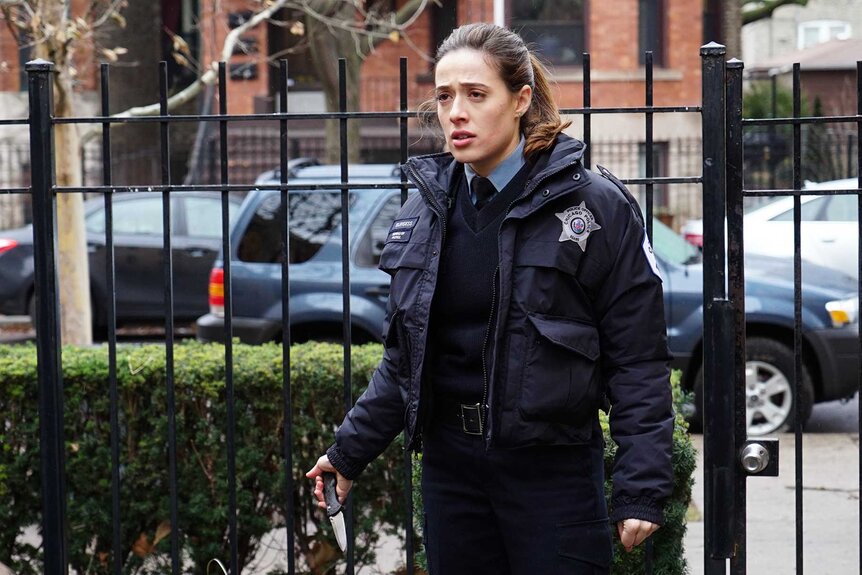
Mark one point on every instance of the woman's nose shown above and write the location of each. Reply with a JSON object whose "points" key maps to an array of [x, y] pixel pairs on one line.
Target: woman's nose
{"points": [[457, 112]]}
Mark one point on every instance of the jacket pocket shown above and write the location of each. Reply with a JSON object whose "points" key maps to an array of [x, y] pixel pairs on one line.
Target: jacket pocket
{"points": [[560, 378], [403, 255], [587, 542]]}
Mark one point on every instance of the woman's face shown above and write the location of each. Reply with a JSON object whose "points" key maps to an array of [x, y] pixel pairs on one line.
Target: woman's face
{"points": [[479, 115]]}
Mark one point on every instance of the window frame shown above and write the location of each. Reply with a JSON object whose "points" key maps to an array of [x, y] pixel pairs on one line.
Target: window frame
{"points": [[518, 25], [822, 26], [660, 52]]}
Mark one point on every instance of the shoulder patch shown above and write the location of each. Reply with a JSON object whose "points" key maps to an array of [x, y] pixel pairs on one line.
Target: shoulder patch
{"points": [[650, 256]]}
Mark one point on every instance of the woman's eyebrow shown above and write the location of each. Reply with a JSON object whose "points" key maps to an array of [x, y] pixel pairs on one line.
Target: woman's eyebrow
{"points": [[467, 85]]}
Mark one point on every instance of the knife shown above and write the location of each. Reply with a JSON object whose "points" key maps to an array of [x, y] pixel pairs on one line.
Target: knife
{"points": [[334, 510]]}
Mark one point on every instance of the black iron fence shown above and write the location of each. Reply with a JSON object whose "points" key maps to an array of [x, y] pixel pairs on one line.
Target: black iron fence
{"points": [[724, 366], [44, 193]]}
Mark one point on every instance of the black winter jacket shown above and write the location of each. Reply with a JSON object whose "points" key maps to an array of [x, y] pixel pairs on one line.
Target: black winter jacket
{"points": [[579, 317]]}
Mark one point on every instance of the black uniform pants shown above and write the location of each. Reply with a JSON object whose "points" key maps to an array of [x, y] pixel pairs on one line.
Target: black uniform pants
{"points": [[529, 511]]}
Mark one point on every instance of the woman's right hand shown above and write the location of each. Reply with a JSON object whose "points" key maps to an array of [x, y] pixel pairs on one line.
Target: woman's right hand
{"points": [[343, 485]]}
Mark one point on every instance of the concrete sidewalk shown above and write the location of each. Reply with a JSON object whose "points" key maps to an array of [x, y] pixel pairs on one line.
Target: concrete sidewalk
{"points": [[830, 467]]}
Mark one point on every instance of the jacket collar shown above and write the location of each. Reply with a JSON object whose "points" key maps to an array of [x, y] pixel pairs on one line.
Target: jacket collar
{"points": [[437, 170]]}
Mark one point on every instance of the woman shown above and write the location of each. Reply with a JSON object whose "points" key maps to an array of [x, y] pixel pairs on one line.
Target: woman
{"points": [[524, 293]]}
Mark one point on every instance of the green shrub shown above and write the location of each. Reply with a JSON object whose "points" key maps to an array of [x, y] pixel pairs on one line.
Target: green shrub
{"points": [[199, 375], [316, 376]]}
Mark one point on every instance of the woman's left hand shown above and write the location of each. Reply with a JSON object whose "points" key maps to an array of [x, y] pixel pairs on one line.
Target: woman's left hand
{"points": [[634, 531]]}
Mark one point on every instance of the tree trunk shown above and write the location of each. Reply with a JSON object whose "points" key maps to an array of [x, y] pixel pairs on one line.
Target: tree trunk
{"points": [[74, 269], [326, 46], [731, 27]]}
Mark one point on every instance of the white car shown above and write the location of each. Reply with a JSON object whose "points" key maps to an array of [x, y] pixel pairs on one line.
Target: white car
{"points": [[829, 229]]}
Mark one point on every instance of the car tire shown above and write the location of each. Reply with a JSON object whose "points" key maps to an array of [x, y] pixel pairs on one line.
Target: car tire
{"points": [[770, 404]]}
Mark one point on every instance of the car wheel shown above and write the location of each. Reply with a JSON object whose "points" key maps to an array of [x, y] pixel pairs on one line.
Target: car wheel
{"points": [[769, 390]]}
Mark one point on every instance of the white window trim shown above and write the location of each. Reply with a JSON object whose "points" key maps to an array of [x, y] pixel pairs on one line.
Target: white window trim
{"points": [[822, 27]]}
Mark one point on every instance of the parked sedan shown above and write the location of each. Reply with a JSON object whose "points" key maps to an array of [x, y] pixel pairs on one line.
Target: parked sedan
{"points": [[829, 228], [138, 257]]}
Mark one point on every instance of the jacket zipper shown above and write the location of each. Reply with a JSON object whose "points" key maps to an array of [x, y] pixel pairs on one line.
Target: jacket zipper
{"points": [[429, 198], [492, 315]]}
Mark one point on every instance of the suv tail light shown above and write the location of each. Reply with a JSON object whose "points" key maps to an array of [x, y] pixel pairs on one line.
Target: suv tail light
{"points": [[6, 245], [217, 292]]}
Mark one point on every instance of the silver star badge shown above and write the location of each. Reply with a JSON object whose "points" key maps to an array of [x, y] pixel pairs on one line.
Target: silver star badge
{"points": [[578, 224]]}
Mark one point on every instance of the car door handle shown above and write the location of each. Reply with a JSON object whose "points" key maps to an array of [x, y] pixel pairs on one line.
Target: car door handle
{"points": [[827, 240], [196, 252], [378, 291]]}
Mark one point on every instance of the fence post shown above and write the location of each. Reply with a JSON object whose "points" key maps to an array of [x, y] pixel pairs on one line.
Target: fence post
{"points": [[734, 174], [51, 444], [718, 403]]}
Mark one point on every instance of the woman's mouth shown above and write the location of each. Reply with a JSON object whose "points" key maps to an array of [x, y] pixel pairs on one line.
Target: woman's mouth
{"points": [[461, 138]]}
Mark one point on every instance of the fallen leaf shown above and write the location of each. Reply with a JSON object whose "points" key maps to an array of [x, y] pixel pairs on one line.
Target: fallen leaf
{"points": [[142, 546], [162, 531]]}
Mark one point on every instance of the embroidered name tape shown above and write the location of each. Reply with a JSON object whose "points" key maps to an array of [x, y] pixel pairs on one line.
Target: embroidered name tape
{"points": [[401, 230]]}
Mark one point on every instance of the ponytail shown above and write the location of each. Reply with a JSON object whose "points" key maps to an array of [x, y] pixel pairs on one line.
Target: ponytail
{"points": [[542, 123]]}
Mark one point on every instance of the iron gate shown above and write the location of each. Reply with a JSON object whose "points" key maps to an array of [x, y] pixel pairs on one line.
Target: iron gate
{"points": [[724, 357], [730, 457]]}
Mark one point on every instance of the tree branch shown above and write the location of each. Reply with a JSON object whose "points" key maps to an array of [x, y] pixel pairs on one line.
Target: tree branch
{"points": [[405, 16], [765, 8], [208, 78]]}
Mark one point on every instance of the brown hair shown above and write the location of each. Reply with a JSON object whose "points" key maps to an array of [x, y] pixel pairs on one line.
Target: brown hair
{"points": [[518, 66]]}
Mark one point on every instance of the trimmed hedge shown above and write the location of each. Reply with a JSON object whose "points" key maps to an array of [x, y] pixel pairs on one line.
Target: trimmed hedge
{"points": [[316, 388]]}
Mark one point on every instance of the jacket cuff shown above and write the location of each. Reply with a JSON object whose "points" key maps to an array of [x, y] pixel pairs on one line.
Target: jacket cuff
{"points": [[643, 508], [344, 466]]}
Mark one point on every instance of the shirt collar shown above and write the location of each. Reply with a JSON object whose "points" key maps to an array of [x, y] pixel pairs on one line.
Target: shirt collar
{"points": [[505, 170]]}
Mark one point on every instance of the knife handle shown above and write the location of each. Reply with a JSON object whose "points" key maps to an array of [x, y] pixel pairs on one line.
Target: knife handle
{"points": [[329, 495]]}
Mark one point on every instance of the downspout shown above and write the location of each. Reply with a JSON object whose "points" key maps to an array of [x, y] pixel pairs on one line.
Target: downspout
{"points": [[500, 12]]}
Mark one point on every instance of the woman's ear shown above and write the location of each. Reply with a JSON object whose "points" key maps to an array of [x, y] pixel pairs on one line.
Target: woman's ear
{"points": [[523, 99]]}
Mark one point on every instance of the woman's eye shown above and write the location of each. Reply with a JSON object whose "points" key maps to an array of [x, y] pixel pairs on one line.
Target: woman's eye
{"points": [[476, 94], [442, 97]]}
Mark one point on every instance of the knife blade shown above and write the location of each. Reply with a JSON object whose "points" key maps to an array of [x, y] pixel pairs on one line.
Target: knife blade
{"points": [[334, 509]]}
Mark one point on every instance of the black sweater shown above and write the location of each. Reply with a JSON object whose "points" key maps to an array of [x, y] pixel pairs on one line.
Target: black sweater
{"points": [[461, 310]]}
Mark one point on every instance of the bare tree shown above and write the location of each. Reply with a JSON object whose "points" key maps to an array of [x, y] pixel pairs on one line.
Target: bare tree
{"points": [[56, 34], [59, 34]]}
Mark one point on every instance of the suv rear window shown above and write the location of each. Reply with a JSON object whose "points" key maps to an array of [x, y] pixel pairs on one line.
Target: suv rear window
{"points": [[313, 217]]}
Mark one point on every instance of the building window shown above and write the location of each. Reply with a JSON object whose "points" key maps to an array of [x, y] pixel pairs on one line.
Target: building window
{"points": [[444, 19], [556, 28], [820, 31], [651, 31]]}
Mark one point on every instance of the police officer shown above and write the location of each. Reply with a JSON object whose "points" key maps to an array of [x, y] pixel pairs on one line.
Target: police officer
{"points": [[524, 292]]}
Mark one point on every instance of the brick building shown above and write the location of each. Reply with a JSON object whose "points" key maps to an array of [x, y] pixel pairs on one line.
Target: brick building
{"points": [[615, 34]]}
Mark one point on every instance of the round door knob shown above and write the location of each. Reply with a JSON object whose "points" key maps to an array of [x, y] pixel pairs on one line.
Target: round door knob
{"points": [[755, 458]]}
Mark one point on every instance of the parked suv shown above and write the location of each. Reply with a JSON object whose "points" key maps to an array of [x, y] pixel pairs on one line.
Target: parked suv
{"points": [[830, 306], [314, 257]]}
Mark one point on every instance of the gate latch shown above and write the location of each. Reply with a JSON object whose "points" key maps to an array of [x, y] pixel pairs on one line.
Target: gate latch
{"points": [[759, 457]]}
